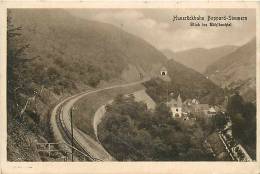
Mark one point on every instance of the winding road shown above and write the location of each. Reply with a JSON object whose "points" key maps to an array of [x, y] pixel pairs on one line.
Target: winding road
{"points": [[60, 123]]}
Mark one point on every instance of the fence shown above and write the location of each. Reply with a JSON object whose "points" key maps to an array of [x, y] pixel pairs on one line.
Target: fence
{"points": [[52, 148]]}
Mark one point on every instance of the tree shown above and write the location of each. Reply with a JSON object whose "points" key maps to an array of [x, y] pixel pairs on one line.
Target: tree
{"points": [[220, 120], [249, 111], [238, 123], [235, 104], [162, 113], [194, 154], [160, 151], [131, 132], [249, 114], [243, 117], [16, 63], [119, 98]]}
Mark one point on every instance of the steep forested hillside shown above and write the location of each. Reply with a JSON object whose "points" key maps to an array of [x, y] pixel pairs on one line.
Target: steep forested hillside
{"points": [[184, 81], [199, 58], [69, 53], [237, 71], [77, 51]]}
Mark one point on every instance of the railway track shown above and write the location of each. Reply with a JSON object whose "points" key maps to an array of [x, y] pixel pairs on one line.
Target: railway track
{"points": [[83, 144], [66, 134]]}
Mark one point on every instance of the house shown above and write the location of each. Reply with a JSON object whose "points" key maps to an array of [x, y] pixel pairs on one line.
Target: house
{"points": [[176, 107], [201, 108], [212, 111], [193, 106], [188, 105], [195, 101], [188, 102]]}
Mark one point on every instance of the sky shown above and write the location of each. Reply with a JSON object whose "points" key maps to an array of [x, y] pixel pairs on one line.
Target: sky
{"points": [[156, 26]]}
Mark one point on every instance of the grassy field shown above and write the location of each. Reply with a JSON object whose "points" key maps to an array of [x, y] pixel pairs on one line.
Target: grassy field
{"points": [[83, 116], [142, 96]]}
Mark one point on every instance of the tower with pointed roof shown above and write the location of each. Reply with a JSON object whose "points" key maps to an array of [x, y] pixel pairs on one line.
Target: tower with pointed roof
{"points": [[176, 107], [179, 101]]}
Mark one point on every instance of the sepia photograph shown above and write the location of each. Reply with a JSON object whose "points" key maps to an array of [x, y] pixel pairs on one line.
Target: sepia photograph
{"points": [[131, 85]]}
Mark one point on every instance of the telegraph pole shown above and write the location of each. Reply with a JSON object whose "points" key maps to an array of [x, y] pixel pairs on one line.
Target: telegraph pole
{"points": [[35, 103], [72, 144]]}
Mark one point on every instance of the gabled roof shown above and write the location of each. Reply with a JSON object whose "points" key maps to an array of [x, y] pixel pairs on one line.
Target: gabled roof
{"points": [[195, 101], [202, 106], [187, 101], [172, 103], [175, 103], [179, 101], [212, 109]]}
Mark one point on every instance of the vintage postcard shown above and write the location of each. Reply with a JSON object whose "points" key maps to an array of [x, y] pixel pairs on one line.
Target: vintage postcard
{"points": [[144, 87]]}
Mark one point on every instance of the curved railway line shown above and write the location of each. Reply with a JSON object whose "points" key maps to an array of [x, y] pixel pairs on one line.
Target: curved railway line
{"points": [[67, 137], [83, 145]]}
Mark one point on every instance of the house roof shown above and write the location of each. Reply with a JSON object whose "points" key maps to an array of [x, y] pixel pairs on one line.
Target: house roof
{"points": [[187, 101], [195, 101], [212, 109], [176, 103], [172, 103], [191, 101], [179, 101], [202, 106]]}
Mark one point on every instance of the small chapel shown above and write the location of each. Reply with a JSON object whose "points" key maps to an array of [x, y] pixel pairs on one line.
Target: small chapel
{"points": [[176, 107]]}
